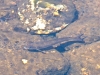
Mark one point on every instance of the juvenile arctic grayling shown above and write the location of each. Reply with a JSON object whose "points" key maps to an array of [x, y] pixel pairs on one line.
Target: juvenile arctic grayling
{"points": [[39, 46]]}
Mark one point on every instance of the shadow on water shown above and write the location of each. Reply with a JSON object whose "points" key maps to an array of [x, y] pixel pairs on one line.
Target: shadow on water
{"points": [[75, 16], [19, 29], [5, 18]]}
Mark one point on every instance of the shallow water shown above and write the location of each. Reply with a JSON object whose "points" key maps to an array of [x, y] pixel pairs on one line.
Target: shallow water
{"points": [[13, 37]]}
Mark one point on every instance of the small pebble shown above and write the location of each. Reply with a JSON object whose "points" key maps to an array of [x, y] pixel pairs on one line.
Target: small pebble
{"points": [[25, 61]]}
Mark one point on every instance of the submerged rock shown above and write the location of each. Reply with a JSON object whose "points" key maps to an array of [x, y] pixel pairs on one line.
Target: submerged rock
{"points": [[45, 17]]}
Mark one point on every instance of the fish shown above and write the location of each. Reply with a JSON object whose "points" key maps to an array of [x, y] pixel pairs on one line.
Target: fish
{"points": [[49, 44]]}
